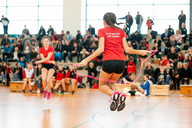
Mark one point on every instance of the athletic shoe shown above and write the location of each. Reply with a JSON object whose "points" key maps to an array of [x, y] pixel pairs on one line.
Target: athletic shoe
{"points": [[48, 95], [44, 94], [114, 100], [63, 92], [38, 91], [23, 91], [32, 83], [73, 92], [122, 102]]}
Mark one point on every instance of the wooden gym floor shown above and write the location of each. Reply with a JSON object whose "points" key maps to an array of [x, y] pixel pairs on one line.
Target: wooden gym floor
{"points": [[90, 109]]}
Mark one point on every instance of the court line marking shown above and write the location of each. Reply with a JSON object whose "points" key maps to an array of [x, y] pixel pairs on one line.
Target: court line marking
{"points": [[148, 110], [102, 115]]}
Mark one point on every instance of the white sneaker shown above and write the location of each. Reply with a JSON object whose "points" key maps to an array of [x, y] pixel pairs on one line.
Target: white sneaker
{"points": [[38, 91], [68, 61], [62, 61], [32, 83]]}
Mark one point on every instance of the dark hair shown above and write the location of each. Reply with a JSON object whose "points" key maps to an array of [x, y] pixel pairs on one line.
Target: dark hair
{"points": [[131, 58], [8, 64], [110, 19], [188, 58], [68, 32], [130, 73], [147, 76]]}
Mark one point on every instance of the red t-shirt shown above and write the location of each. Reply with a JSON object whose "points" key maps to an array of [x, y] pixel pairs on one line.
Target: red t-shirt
{"points": [[8, 70], [113, 49], [149, 24], [46, 52], [165, 62]]}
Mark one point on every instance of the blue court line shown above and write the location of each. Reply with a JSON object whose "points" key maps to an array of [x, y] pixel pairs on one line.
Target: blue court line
{"points": [[101, 115], [141, 115]]}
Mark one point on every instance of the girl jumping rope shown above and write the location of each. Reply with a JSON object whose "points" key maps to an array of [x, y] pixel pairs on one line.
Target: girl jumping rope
{"points": [[113, 44], [47, 60]]}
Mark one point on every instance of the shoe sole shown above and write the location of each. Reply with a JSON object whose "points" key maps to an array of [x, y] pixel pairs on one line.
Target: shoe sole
{"points": [[122, 104], [114, 103]]}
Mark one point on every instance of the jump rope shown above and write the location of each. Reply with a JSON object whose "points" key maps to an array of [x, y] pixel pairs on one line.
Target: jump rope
{"points": [[102, 79]]}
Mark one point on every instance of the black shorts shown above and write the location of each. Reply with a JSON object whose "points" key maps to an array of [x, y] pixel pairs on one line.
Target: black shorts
{"points": [[47, 66], [113, 66]]}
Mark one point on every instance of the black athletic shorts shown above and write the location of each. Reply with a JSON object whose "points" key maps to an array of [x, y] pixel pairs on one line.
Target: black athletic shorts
{"points": [[47, 66], [113, 66]]}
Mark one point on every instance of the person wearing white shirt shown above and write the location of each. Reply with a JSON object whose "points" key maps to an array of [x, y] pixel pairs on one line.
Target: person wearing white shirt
{"points": [[5, 23]]}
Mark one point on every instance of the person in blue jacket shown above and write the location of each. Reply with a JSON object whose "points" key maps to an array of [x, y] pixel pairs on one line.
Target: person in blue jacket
{"points": [[7, 51]]}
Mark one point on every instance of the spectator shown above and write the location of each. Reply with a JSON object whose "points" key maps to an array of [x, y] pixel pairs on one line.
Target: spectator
{"points": [[5, 23], [71, 77], [189, 61], [27, 49], [41, 33], [143, 47], [36, 47], [146, 43], [167, 44], [91, 30], [155, 47], [172, 55], [50, 31], [59, 51], [128, 78], [184, 32], [67, 51], [170, 30], [137, 37], [33, 54], [73, 41], [18, 71], [92, 72], [63, 40], [126, 63], [177, 38], [165, 61], [150, 71], [188, 54], [20, 47], [33, 40], [76, 51], [60, 75], [181, 18], [139, 21], [84, 54], [129, 21], [38, 77], [16, 54], [185, 73], [166, 35], [3, 67], [162, 50], [168, 73], [177, 75], [161, 81], [180, 57], [8, 73], [55, 39], [85, 43], [5, 40], [79, 37], [149, 23], [7, 51], [88, 35], [25, 31], [22, 62], [125, 30], [61, 35], [68, 36], [28, 74], [131, 66], [157, 71], [93, 44], [158, 41], [24, 40]]}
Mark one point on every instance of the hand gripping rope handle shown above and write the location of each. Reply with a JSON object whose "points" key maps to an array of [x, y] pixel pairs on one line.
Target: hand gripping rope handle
{"points": [[113, 81], [43, 84]]}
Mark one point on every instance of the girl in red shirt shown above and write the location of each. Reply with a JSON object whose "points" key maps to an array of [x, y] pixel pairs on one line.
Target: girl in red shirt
{"points": [[149, 23], [113, 44], [47, 56]]}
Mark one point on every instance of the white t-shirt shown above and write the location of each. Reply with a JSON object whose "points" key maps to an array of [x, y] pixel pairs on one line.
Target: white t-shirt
{"points": [[27, 49], [28, 73], [4, 22], [15, 56]]}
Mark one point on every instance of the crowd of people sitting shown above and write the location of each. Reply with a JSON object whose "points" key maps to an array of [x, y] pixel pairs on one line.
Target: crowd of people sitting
{"points": [[23, 49]]}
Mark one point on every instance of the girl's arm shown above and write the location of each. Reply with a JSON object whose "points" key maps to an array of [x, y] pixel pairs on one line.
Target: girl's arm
{"points": [[44, 59], [95, 54], [131, 50]]}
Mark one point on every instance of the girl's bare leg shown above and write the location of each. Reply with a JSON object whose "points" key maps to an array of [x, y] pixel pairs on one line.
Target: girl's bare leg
{"points": [[44, 77], [48, 80]]}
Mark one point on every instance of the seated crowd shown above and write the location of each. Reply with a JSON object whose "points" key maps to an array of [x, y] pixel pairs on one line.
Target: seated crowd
{"points": [[22, 49]]}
